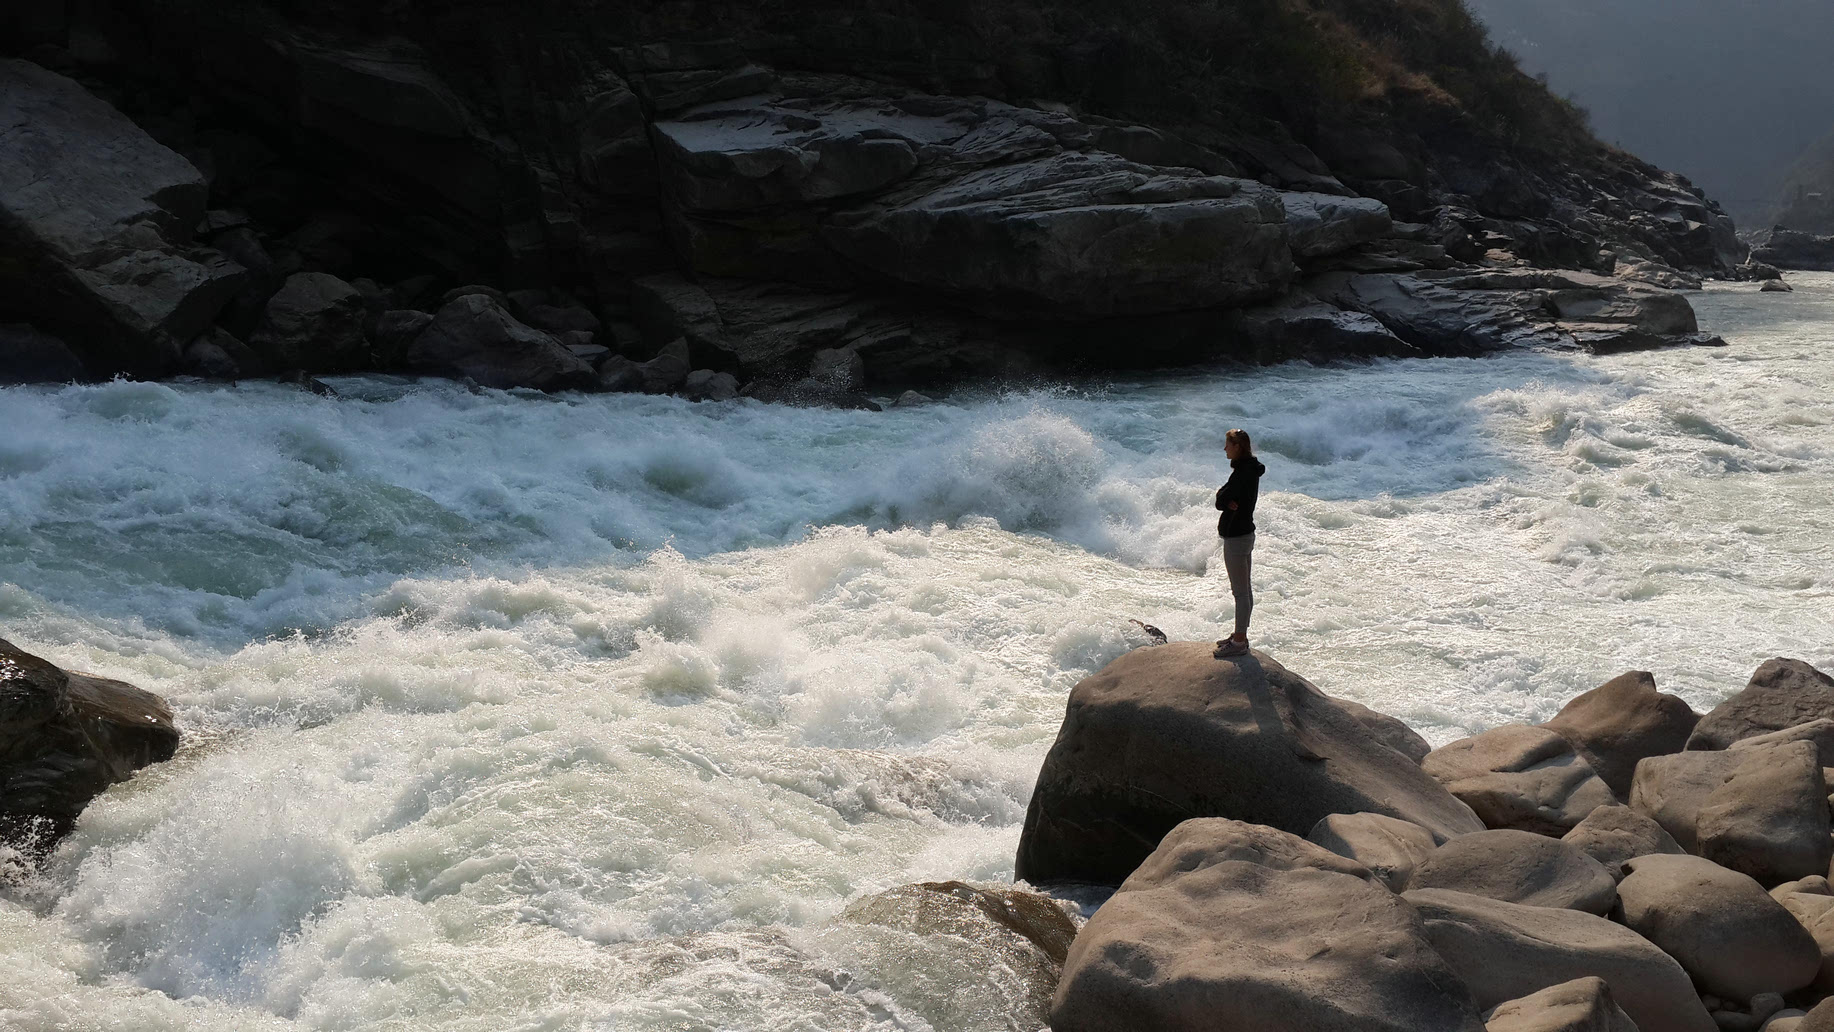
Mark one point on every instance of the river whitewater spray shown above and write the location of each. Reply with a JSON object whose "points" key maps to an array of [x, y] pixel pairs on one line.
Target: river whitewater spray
{"points": [[507, 711]]}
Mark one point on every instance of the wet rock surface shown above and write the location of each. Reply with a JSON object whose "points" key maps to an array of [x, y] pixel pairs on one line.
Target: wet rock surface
{"points": [[64, 738]]}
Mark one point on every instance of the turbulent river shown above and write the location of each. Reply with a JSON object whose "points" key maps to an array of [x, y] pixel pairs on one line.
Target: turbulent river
{"points": [[519, 712]]}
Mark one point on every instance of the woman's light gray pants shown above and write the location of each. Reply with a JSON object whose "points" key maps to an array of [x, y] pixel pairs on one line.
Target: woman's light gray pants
{"points": [[1238, 559]]}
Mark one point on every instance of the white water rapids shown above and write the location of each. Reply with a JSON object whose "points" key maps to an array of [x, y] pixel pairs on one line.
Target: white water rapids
{"points": [[516, 712]]}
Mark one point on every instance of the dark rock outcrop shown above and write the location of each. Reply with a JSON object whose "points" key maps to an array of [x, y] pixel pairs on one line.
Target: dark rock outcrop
{"points": [[314, 322], [1228, 925], [28, 355], [1165, 734], [947, 192], [1794, 249], [473, 336], [64, 738], [96, 221]]}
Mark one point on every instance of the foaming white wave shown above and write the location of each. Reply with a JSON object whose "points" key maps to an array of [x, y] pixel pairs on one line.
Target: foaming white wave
{"points": [[520, 712]]}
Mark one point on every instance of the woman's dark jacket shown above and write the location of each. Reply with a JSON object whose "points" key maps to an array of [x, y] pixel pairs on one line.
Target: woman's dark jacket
{"points": [[1243, 487]]}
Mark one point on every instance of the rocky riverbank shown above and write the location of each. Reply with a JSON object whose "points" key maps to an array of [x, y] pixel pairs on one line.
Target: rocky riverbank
{"points": [[617, 200], [1285, 860]]}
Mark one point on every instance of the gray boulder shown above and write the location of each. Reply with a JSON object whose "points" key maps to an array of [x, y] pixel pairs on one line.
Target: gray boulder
{"points": [[1759, 810], [1388, 847], [1775, 286], [473, 336], [395, 332], [1820, 732], [1320, 224], [28, 355], [707, 385], [1781, 694], [1518, 867], [1521, 777], [1505, 951], [1770, 819], [1730, 935], [1622, 721], [64, 738], [1672, 789], [1614, 834], [1582, 1005], [668, 371], [1166, 734], [314, 322], [1232, 926], [96, 219], [1814, 911]]}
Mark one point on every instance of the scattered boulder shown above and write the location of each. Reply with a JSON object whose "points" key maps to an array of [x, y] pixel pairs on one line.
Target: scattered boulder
{"points": [[707, 385], [96, 221], [1782, 694], [395, 332], [1518, 867], [1775, 286], [64, 738], [668, 371], [1761, 810], [559, 319], [1721, 926], [1228, 925], [30, 356], [1165, 734], [218, 355], [1388, 847], [314, 322], [1614, 834], [912, 399], [1672, 789], [473, 336], [1820, 732], [620, 375], [1582, 1005], [1521, 777], [1814, 911], [1505, 951], [1622, 721], [1770, 819]]}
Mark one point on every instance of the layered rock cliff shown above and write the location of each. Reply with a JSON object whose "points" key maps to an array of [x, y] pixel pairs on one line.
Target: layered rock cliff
{"points": [[938, 190]]}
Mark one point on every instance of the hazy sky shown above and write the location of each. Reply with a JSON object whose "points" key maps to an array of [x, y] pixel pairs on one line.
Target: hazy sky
{"points": [[1726, 92]]}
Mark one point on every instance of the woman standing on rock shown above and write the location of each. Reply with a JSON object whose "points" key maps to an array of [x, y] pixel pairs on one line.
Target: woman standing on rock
{"points": [[1236, 499]]}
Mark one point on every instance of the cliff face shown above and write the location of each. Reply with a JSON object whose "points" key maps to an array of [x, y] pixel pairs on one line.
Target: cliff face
{"points": [[939, 188]]}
